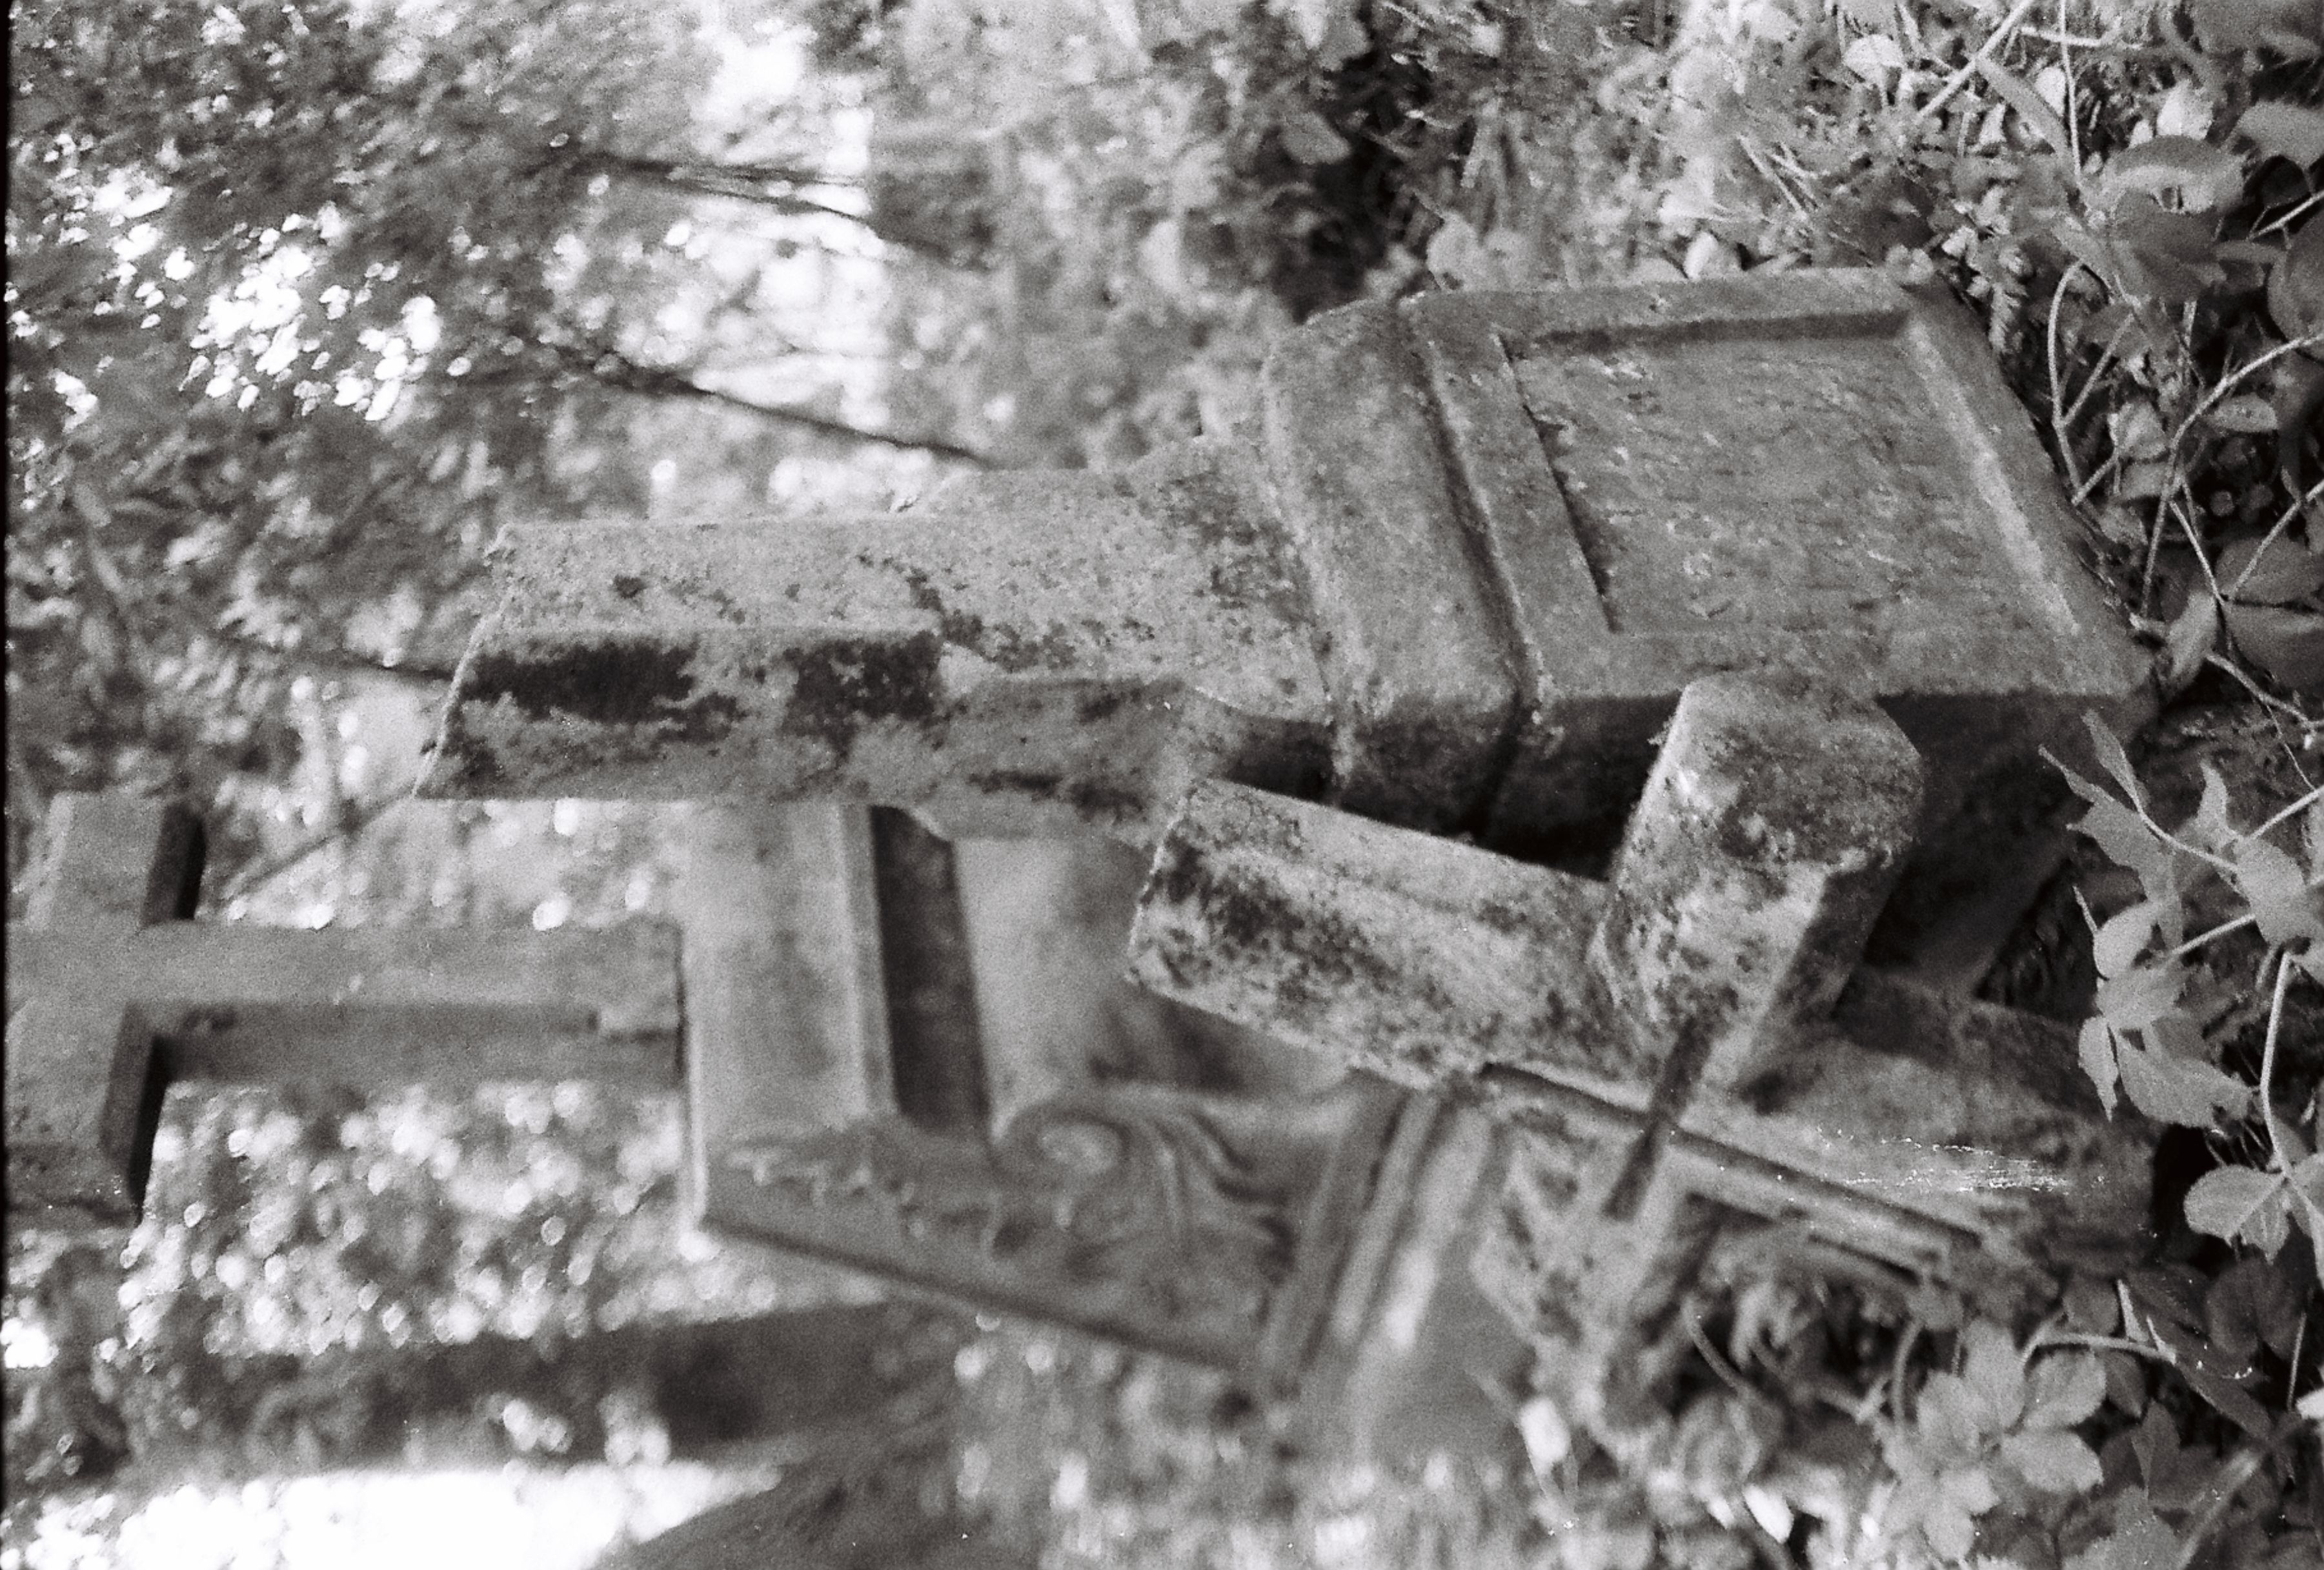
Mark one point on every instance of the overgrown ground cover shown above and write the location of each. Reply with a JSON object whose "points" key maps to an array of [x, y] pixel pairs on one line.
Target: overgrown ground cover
{"points": [[2127, 194]]}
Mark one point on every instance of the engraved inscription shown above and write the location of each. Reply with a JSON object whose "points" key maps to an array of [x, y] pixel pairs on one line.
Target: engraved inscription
{"points": [[1167, 1217], [1796, 482]]}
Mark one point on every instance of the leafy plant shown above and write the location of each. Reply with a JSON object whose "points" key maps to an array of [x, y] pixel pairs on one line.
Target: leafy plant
{"points": [[2004, 1422], [2147, 1040]]}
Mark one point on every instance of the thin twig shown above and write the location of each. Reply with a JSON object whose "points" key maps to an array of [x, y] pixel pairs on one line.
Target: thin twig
{"points": [[2066, 66], [2231, 1481], [1960, 78], [2105, 358], [2192, 944], [2306, 205], [2275, 529], [2161, 1354], [2283, 958], [2286, 815], [347, 829], [2113, 462], [2173, 479], [2265, 699], [2057, 398]]}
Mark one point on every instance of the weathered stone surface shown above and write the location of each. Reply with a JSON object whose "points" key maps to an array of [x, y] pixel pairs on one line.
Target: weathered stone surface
{"points": [[1204, 1226], [1417, 652], [1456, 578], [1130, 1166], [1471, 550], [1030, 654], [1774, 823], [1817, 473], [113, 993], [1933, 1135]]}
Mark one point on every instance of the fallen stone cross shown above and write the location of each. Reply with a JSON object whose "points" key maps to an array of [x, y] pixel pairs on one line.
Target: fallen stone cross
{"points": [[1432, 611], [919, 1066], [113, 993], [1454, 578], [1688, 1045]]}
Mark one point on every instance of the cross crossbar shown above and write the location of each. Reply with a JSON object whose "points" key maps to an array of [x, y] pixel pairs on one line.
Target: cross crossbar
{"points": [[114, 993]]}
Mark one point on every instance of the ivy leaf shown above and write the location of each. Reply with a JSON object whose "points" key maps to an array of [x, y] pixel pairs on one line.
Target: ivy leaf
{"points": [[2177, 1090], [2054, 1461], [2108, 747], [2119, 941], [2286, 909], [2127, 839], [2063, 1390], [2096, 1049], [2242, 1203], [2201, 175], [2136, 431], [2191, 636], [2288, 644], [2228, 26], [2168, 256], [2295, 287], [2210, 826], [2281, 129], [2138, 997], [2249, 1304], [2022, 97], [2246, 416]]}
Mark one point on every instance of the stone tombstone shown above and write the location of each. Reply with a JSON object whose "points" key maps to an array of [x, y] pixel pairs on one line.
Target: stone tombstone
{"points": [[1077, 1150], [1686, 1048], [114, 993], [1454, 578], [1431, 612]]}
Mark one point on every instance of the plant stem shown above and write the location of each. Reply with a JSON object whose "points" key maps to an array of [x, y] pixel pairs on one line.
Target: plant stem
{"points": [[2315, 795], [2221, 930], [2283, 957], [2108, 1344], [2280, 525], [2236, 1473], [1960, 78]]}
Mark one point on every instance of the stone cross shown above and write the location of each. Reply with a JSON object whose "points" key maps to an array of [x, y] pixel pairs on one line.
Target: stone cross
{"points": [[1454, 578], [1689, 1042], [113, 993], [1448, 586]]}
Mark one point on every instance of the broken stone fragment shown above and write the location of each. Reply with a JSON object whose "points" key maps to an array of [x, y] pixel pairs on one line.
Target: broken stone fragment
{"points": [[1690, 1033]]}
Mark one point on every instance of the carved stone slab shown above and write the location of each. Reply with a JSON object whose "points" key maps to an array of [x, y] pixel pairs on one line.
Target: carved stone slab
{"points": [[113, 993], [1457, 576], [1682, 1042], [1036, 1136], [1818, 473]]}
